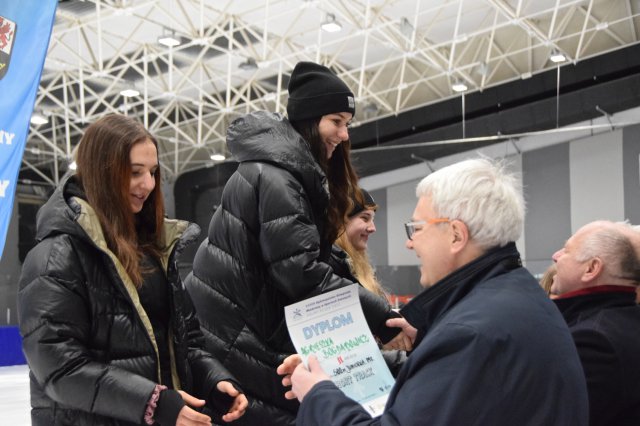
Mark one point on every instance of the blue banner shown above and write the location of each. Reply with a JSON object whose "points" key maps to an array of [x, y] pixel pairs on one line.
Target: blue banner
{"points": [[25, 29]]}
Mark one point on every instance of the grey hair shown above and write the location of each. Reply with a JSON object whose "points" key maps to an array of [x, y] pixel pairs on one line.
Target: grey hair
{"points": [[615, 247], [482, 194]]}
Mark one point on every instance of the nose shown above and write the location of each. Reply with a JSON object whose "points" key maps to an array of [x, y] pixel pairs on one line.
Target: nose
{"points": [[556, 255], [149, 182], [409, 244], [343, 133], [371, 228]]}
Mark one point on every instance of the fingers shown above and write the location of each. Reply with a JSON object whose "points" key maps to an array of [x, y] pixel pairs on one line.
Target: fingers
{"points": [[189, 417], [396, 322], [191, 400], [228, 388], [289, 364], [314, 364], [237, 409]]}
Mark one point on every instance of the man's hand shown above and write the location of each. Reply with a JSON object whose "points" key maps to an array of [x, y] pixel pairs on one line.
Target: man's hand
{"points": [[240, 402], [302, 380], [286, 369], [190, 417], [405, 339]]}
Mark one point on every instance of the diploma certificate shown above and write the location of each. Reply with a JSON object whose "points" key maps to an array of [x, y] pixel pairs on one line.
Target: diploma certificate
{"points": [[332, 326]]}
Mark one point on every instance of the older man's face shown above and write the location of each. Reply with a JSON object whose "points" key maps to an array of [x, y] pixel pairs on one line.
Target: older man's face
{"points": [[431, 242], [570, 270]]}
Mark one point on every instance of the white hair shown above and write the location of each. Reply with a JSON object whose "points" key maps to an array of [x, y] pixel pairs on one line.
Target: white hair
{"points": [[613, 242], [482, 194]]}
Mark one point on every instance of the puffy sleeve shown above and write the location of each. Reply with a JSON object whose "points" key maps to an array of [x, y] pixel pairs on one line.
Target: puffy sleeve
{"points": [[55, 319], [290, 244]]}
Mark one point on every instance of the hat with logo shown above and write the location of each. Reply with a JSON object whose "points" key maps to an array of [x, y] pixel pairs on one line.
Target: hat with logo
{"points": [[315, 91]]}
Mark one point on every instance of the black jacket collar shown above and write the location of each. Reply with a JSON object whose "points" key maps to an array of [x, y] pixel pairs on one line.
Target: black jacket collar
{"points": [[428, 306], [573, 308]]}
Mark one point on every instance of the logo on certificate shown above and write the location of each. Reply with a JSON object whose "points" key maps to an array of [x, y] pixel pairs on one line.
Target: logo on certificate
{"points": [[7, 36]]}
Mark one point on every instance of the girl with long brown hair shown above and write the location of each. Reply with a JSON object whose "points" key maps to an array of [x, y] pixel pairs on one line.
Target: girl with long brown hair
{"points": [[270, 239], [109, 333]]}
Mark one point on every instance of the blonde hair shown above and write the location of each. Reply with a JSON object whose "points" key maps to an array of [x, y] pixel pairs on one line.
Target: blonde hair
{"points": [[547, 278], [360, 266]]}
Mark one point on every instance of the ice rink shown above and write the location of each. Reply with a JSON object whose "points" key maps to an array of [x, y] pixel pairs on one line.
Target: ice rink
{"points": [[14, 396]]}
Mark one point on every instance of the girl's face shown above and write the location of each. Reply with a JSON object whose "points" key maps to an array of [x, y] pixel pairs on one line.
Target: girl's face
{"points": [[334, 129], [144, 163], [359, 227]]}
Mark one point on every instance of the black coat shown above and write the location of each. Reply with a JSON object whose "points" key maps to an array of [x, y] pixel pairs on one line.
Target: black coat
{"points": [[88, 341], [491, 350], [605, 327], [263, 252]]}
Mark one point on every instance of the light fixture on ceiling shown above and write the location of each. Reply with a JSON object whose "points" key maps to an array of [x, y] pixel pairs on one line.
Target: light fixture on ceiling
{"points": [[38, 119], [459, 86], [130, 93], [330, 24], [169, 40], [249, 65], [557, 57], [73, 165], [218, 157]]}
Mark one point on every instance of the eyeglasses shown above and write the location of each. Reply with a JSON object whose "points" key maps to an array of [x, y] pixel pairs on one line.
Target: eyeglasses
{"points": [[412, 227]]}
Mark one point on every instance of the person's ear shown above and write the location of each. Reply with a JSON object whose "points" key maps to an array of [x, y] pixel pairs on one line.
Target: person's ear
{"points": [[459, 235], [594, 268]]}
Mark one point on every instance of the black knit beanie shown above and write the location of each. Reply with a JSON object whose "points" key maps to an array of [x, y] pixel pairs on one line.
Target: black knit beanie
{"points": [[357, 207], [315, 91]]}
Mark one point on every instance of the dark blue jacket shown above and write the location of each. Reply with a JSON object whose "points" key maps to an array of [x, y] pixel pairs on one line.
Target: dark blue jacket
{"points": [[491, 350], [605, 328]]}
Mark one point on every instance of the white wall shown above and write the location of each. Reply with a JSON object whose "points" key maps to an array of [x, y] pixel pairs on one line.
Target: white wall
{"points": [[597, 188]]}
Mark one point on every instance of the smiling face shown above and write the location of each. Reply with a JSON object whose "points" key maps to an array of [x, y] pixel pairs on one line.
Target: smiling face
{"points": [[359, 227], [431, 242], [144, 163], [333, 130]]}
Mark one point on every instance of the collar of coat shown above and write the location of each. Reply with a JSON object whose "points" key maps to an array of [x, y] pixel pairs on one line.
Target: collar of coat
{"points": [[433, 302], [584, 303]]}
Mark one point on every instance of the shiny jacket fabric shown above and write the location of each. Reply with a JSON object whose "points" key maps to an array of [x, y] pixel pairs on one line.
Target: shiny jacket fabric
{"points": [[605, 326], [88, 342], [492, 349], [264, 252]]}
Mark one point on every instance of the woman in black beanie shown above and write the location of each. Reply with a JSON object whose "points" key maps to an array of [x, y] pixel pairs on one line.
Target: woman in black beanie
{"points": [[270, 239]]}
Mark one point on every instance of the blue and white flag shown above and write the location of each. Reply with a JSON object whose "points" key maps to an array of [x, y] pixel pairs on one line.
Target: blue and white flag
{"points": [[25, 29]]}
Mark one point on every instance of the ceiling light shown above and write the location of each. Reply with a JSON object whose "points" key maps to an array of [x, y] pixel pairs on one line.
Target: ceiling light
{"points": [[169, 40], [73, 165], [248, 65], [459, 86], [38, 119], [330, 24], [129, 93], [557, 57], [218, 157]]}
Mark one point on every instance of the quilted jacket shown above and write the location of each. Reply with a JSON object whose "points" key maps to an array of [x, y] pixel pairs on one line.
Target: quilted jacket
{"points": [[89, 344], [263, 252]]}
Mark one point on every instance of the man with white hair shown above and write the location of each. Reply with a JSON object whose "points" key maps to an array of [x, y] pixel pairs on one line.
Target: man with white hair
{"points": [[598, 273], [490, 349]]}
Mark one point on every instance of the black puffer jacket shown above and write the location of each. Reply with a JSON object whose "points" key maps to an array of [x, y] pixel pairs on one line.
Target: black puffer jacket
{"points": [[264, 252], [89, 344]]}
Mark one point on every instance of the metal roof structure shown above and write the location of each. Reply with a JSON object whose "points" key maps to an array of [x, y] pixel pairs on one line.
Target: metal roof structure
{"points": [[235, 56]]}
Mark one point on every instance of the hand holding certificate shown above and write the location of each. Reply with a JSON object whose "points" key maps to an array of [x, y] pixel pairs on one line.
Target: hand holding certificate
{"points": [[332, 327]]}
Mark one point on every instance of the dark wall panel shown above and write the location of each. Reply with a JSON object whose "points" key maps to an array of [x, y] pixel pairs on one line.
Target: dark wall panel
{"points": [[631, 173], [546, 180]]}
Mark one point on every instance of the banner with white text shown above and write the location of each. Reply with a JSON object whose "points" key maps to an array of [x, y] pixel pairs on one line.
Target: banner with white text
{"points": [[25, 29]]}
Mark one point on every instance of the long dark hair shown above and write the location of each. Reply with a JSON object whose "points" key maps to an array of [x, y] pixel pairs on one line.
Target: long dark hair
{"points": [[104, 171], [340, 173]]}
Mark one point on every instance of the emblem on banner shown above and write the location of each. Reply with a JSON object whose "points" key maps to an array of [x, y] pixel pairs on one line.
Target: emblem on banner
{"points": [[7, 36]]}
